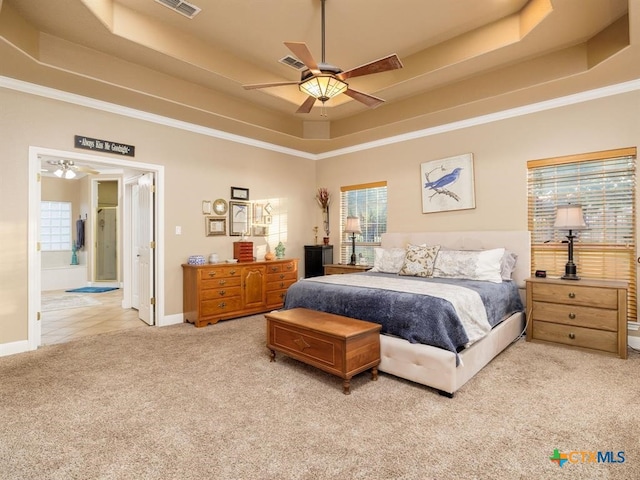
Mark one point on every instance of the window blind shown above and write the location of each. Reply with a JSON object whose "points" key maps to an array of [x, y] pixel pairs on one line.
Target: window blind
{"points": [[369, 203], [604, 184]]}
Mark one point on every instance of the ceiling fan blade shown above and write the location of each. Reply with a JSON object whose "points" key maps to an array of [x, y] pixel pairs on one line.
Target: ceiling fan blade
{"points": [[368, 100], [88, 170], [267, 85], [301, 51], [392, 62], [307, 105]]}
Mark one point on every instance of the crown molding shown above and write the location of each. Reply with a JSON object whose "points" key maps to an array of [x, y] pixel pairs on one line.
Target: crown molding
{"points": [[33, 89]]}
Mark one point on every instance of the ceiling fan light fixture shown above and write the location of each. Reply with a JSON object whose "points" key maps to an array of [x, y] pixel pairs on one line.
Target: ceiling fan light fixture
{"points": [[323, 87], [59, 172], [69, 174]]}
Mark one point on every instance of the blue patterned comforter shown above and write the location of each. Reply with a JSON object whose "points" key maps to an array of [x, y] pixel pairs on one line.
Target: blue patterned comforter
{"points": [[415, 317]]}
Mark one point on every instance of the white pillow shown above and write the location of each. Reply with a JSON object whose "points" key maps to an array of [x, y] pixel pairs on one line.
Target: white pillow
{"points": [[508, 264], [419, 260], [472, 265], [388, 260]]}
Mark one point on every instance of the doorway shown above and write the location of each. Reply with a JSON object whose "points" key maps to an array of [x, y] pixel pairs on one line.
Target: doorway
{"points": [[127, 169]]}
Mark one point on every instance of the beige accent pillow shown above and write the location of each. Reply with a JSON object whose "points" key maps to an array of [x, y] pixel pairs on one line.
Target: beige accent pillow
{"points": [[472, 265], [388, 260], [419, 260]]}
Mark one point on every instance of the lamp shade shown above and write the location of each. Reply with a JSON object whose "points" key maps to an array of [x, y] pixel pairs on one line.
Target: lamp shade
{"points": [[570, 217], [353, 225], [323, 87]]}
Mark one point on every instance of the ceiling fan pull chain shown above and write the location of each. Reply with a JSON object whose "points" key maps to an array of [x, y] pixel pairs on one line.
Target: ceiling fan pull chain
{"points": [[323, 59]]}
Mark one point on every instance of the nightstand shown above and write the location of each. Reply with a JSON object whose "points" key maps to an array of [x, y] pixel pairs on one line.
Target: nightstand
{"points": [[586, 313], [346, 268]]}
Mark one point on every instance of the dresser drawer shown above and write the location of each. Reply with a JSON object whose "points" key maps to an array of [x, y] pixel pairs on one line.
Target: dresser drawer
{"points": [[282, 267], [220, 306], [577, 315], [281, 276], [275, 299], [221, 292], [219, 272], [576, 295], [222, 282], [576, 336]]}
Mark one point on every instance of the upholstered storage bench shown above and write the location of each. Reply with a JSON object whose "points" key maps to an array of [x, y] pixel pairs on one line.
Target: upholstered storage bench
{"points": [[338, 345]]}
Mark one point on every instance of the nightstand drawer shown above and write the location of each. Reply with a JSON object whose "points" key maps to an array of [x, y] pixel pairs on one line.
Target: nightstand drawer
{"points": [[587, 317], [576, 336], [576, 295]]}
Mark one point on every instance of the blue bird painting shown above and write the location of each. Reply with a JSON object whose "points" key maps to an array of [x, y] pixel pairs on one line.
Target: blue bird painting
{"points": [[445, 180]]}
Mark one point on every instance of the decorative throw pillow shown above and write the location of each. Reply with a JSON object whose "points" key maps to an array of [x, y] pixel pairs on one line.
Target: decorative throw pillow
{"points": [[508, 264], [472, 265], [388, 260], [419, 260]]}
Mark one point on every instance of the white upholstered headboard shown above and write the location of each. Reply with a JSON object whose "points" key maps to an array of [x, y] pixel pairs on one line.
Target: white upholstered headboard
{"points": [[517, 241]]}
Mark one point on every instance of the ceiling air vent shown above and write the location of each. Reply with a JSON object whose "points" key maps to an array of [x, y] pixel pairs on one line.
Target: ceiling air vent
{"points": [[183, 8], [293, 62]]}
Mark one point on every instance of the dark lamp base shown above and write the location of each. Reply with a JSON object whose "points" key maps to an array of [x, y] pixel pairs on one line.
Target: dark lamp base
{"points": [[570, 271], [570, 277]]}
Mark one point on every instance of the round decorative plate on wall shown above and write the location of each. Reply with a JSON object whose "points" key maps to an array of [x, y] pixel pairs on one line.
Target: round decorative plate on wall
{"points": [[220, 207]]}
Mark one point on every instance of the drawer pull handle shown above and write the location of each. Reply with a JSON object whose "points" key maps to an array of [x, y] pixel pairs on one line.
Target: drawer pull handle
{"points": [[274, 269], [289, 267], [222, 282], [222, 293], [572, 316], [222, 305], [281, 284], [281, 276], [212, 274], [572, 295], [572, 336], [232, 272]]}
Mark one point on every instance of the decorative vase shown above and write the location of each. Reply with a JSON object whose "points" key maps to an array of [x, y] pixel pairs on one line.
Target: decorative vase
{"points": [[280, 250], [325, 240], [269, 256]]}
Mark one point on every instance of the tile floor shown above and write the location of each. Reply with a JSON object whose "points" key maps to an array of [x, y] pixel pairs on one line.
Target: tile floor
{"points": [[60, 326]]}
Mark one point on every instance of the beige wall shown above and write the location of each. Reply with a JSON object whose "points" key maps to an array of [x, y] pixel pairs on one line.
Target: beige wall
{"points": [[197, 168], [203, 168], [500, 149]]}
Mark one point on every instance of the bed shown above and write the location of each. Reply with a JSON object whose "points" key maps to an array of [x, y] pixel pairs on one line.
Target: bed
{"points": [[441, 360]]}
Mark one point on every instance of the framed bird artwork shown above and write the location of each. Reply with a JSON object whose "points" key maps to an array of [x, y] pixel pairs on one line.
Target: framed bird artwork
{"points": [[447, 184]]}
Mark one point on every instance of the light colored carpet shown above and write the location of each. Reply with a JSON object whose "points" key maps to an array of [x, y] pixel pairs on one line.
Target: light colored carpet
{"points": [[57, 301], [181, 402]]}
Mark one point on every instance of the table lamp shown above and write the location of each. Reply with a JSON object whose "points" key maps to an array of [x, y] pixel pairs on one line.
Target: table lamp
{"points": [[353, 227], [570, 217]]}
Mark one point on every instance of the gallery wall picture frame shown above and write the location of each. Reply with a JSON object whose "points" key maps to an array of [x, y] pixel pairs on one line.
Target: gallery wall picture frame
{"points": [[206, 207], [220, 206], [215, 226], [258, 213], [239, 218], [448, 184], [260, 231], [239, 193]]}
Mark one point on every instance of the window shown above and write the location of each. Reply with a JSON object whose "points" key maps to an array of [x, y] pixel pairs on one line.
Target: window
{"points": [[604, 184], [55, 226], [369, 203]]}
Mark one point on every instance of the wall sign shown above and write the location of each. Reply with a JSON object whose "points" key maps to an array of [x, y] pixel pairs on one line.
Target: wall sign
{"points": [[104, 146]]}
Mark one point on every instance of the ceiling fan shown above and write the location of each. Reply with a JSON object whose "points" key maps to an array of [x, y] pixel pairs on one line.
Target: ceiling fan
{"points": [[322, 81], [67, 168]]}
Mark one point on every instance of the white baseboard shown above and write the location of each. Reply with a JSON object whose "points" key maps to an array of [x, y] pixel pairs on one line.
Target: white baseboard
{"points": [[14, 347], [174, 319]]}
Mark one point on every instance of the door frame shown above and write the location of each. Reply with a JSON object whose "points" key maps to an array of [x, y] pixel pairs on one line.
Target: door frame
{"points": [[34, 271]]}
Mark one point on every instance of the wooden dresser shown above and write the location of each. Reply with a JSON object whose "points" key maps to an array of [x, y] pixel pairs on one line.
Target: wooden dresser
{"points": [[222, 291], [590, 314]]}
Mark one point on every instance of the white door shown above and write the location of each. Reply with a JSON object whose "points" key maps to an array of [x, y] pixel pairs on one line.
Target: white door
{"points": [[144, 238]]}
